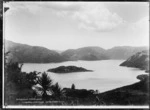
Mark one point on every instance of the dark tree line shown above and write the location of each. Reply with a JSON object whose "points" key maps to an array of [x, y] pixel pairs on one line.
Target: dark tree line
{"points": [[25, 81]]}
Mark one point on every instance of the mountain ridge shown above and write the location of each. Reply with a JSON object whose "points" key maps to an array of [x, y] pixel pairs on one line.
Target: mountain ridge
{"points": [[37, 54], [31, 54]]}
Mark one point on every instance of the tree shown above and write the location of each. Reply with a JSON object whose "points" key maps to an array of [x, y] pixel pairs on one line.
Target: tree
{"points": [[73, 86], [18, 84], [22, 80], [31, 78], [57, 90], [143, 77], [45, 82]]}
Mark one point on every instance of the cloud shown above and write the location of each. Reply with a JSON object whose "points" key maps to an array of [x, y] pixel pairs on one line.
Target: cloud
{"points": [[62, 6], [139, 31], [30, 7], [89, 15], [142, 24], [98, 18], [140, 28]]}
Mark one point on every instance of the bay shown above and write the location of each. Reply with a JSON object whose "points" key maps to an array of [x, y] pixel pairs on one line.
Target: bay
{"points": [[106, 75]]}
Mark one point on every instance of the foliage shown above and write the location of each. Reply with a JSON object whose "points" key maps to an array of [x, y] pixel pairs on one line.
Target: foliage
{"points": [[73, 86], [45, 82], [14, 74], [17, 83], [143, 77], [78, 93], [57, 90], [32, 78], [21, 79]]}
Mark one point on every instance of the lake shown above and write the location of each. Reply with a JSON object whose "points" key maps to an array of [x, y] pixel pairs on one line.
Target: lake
{"points": [[106, 75]]}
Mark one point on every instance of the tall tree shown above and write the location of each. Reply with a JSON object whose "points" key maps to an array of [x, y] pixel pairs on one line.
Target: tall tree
{"points": [[73, 86], [45, 82], [57, 90]]}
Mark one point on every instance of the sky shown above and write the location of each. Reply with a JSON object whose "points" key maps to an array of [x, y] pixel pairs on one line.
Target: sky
{"points": [[71, 25]]}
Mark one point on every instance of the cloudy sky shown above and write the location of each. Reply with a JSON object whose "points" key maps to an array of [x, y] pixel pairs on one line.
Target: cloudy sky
{"points": [[64, 25]]}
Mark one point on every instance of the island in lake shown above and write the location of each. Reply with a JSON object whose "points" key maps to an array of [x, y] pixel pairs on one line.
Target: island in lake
{"points": [[68, 69]]}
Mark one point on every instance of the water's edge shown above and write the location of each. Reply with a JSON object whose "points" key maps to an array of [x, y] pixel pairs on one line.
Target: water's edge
{"points": [[106, 75]]}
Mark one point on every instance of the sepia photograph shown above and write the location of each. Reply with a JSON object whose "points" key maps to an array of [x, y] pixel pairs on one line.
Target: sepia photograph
{"points": [[75, 54]]}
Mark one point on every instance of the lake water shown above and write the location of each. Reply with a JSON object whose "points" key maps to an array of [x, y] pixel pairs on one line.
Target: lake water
{"points": [[106, 75]]}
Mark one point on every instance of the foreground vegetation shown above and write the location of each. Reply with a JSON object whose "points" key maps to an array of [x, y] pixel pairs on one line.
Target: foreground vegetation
{"points": [[36, 88], [134, 94]]}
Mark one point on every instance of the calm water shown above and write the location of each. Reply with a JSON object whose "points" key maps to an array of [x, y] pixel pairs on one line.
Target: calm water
{"points": [[106, 75]]}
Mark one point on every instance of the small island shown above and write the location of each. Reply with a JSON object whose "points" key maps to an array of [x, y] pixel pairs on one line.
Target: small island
{"points": [[68, 69]]}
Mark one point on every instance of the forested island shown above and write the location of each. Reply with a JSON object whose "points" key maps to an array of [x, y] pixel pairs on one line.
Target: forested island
{"points": [[68, 69]]}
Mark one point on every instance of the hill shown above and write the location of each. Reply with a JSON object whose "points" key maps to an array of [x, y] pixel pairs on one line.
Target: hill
{"points": [[23, 53], [138, 60], [123, 52], [85, 53], [134, 94]]}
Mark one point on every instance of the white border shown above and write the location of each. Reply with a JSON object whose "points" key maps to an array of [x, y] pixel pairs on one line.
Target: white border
{"points": [[3, 56], [58, 107], [78, 107]]}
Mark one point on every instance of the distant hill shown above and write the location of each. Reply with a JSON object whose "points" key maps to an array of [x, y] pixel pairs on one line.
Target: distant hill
{"points": [[31, 54], [85, 53], [36, 54], [139, 60], [98, 53], [123, 52]]}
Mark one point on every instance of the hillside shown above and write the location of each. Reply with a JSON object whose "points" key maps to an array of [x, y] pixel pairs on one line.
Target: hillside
{"points": [[31, 54], [123, 52], [98, 53], [134, 94], [85, 53], [139, 60]]}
